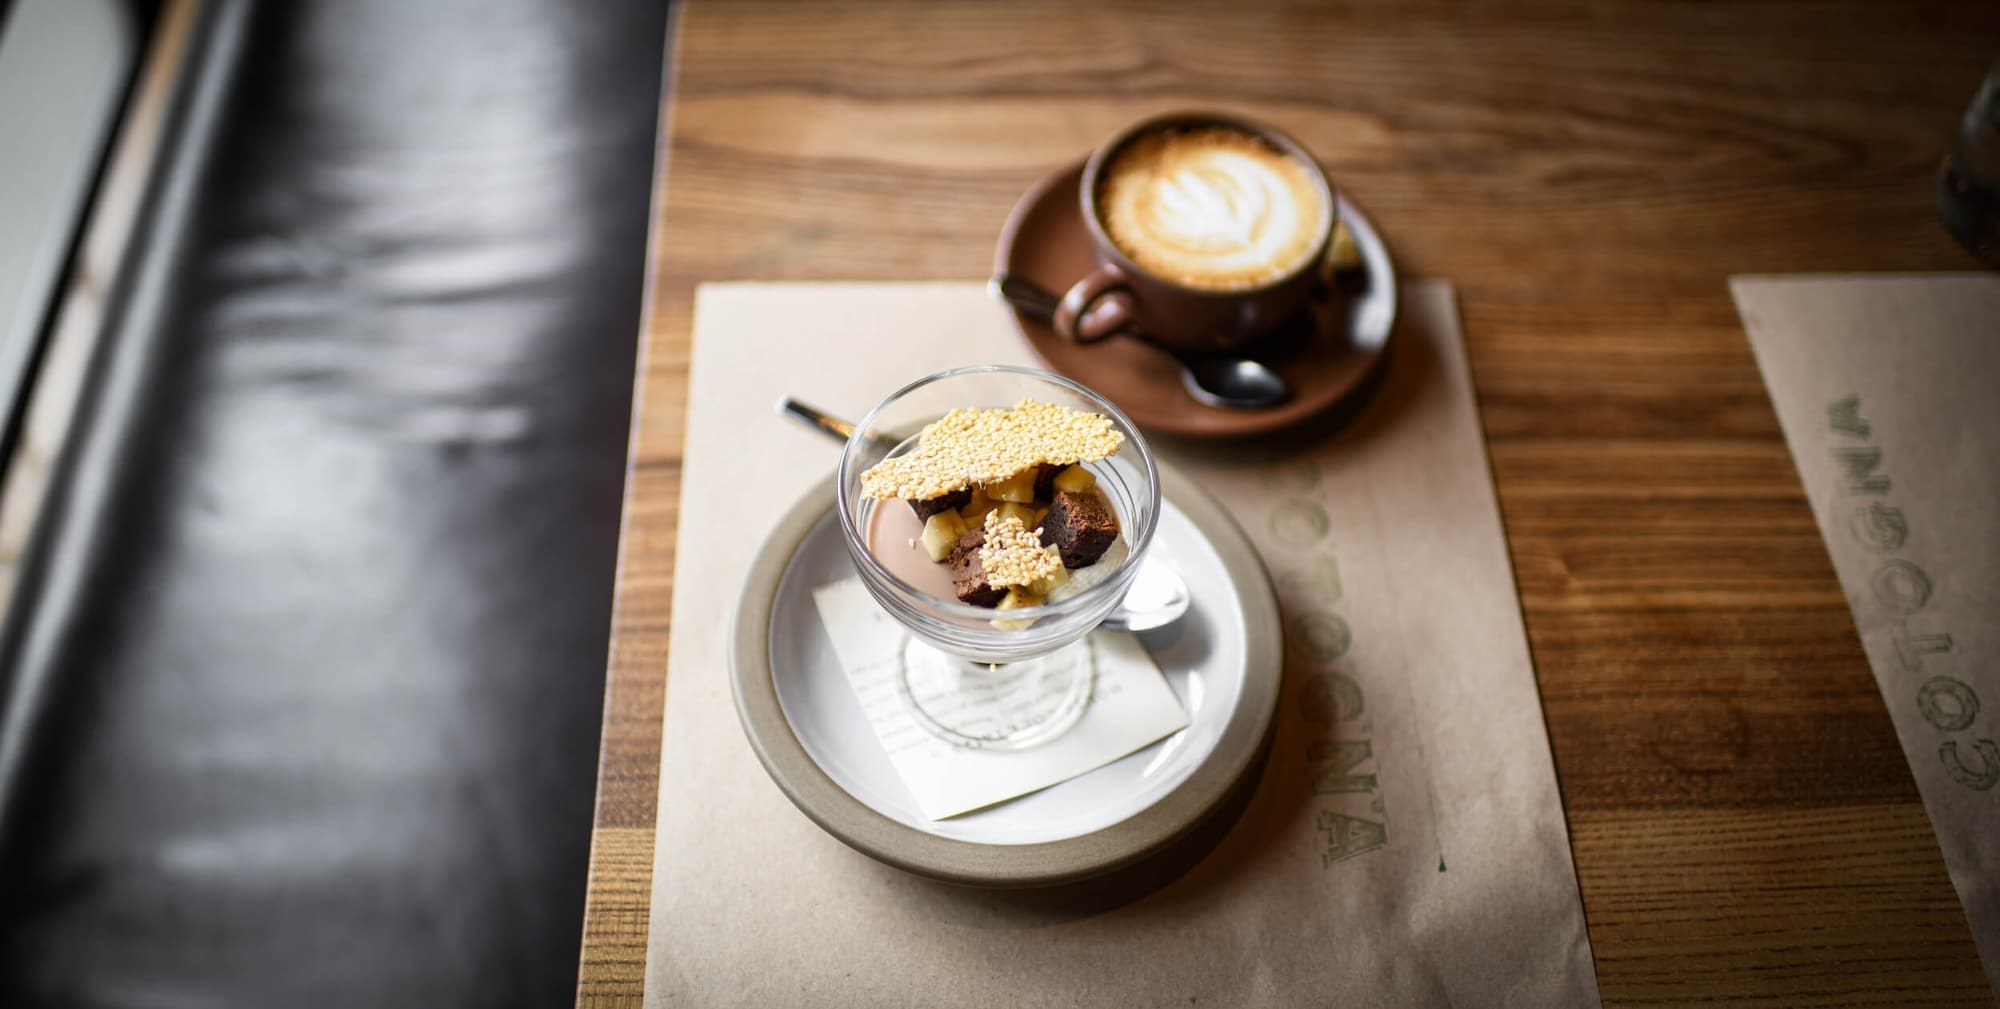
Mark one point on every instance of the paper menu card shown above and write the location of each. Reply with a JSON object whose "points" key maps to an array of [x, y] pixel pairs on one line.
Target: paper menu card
{"points": [[1888, 388], [1406, 842], [1131, 707]]}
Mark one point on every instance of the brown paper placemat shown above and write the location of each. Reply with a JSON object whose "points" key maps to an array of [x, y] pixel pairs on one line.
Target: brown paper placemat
{"points": [[1405, 846], [1888, 388]]}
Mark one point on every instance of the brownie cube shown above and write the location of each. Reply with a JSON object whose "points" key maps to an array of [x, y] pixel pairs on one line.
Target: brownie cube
{"points": [[968, 573], [1080, 526], [955, 500], [1045, 481]]}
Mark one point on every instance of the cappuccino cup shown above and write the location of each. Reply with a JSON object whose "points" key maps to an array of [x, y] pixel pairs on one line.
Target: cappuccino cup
{"points": [[1208, 230]]}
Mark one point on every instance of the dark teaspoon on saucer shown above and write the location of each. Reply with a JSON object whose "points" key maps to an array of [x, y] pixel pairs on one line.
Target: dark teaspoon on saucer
{"points": [[1214, 379]]}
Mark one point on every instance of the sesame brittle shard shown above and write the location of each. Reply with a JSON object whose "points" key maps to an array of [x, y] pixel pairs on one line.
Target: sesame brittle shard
{"points": [[978, 447], [1013, 554]]}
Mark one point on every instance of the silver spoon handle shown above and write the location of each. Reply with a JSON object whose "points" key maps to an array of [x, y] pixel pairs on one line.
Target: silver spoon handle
{"points": [[815, 418], [1024, 294]]}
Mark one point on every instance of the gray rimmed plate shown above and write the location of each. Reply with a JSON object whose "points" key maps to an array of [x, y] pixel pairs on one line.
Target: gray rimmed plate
{"points": [[1223, 661]]}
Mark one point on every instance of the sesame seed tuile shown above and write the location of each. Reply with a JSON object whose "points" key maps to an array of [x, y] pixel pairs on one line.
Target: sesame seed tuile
{"points": [[965, 448]]}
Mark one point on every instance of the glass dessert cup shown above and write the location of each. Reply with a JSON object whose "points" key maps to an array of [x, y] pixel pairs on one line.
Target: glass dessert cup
{"points": [[975, 676]]}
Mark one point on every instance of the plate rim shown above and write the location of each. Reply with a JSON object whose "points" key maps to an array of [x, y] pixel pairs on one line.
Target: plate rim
{"points": [[970, 863]]}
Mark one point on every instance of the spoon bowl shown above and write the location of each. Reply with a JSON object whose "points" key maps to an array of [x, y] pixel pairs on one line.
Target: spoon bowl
{"points": [[1231, 382], [1220, 380]]}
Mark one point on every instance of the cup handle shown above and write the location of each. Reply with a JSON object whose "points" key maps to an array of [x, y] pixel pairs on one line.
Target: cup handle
{"points": [[1095, 307]]}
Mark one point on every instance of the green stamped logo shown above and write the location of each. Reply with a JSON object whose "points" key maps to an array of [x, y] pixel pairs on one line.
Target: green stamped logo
{"points": [[1344, 776], [1903, 590]]}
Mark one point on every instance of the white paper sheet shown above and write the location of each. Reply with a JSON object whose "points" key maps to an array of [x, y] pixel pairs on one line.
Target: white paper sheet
{"points": [[1888, 388], [1131, 707]]}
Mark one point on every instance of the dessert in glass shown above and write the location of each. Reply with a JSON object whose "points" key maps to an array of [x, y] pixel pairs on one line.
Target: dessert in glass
{"points": [[998, 514]]}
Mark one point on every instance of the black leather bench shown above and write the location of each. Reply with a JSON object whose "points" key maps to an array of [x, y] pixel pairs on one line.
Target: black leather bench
{"points": [[301, 688]]}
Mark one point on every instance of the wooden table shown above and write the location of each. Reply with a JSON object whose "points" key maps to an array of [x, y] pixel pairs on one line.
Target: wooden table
{"points": [[1745, 828]]}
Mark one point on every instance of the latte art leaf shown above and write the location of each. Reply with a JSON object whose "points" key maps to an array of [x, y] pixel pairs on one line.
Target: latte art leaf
{"points": [[1226, 202], [1213, 208]]}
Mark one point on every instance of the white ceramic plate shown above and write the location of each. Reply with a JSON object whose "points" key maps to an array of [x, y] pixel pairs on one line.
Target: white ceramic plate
{"points": [[1202, 656], [1223, 660]]}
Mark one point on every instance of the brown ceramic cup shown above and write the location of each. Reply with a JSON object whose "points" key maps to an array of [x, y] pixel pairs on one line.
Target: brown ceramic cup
{"points": [[1119, 295]]}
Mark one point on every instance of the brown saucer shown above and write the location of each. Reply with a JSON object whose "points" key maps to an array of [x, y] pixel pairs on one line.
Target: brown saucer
{"points": [[1045, 241]]}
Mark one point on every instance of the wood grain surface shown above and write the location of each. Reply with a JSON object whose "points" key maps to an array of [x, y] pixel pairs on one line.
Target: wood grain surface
{"points": [[1745, 829]]}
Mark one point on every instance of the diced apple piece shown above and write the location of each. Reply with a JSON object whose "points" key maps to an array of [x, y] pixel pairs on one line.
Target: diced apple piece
{"points": [[1019, 598], [1019, 511], [941, 531], [1018, 488], [974, 512], [1049, 583], [1075, 479], [1016, 598]]}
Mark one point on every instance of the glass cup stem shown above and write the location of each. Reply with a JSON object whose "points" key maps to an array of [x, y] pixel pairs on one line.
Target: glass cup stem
{"points": [[997, 706]]}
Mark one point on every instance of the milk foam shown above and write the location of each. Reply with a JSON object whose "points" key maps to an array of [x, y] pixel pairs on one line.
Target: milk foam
{"points": [[1212, 208]]}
